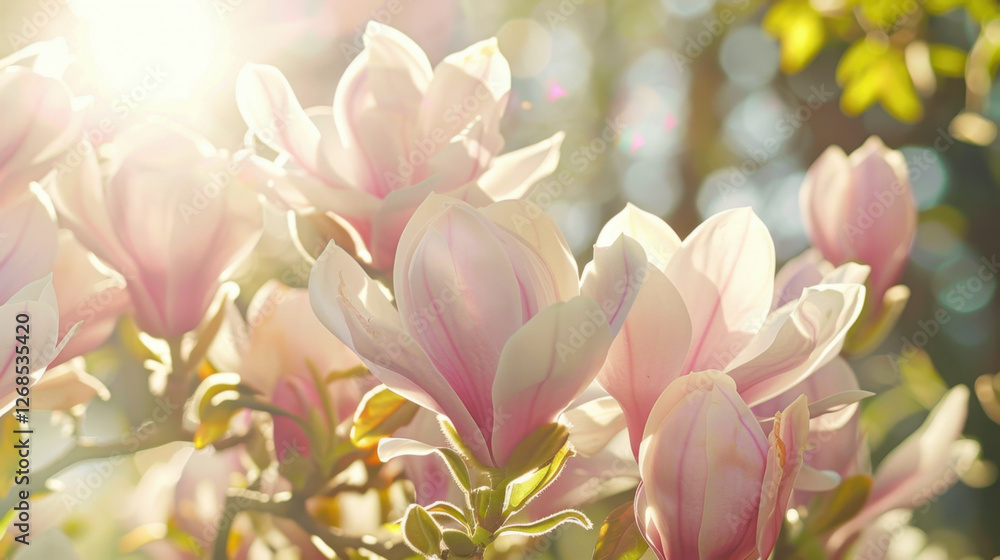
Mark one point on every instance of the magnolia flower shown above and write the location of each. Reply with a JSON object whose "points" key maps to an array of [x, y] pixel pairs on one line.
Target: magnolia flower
{"points": [[67, 385], [714, 485], [397, 131], [277, 349], [861, 208], [705, 304], [42, 119], [174, 219], [489, 327], [32, 312], [926, 464]]}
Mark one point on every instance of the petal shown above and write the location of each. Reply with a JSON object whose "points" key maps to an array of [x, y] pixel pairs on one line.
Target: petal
{"points": [[89, 294], [544, 366], [78, 195], [613, 279], [513, 174], [38, 111], [538, 251], [658, 240], [702, 461], [67, 385], [784, 460], [269, 107], [883, 212], [398, 70], [460, 302], [470, 84], [649, 523], [798, 274], [796, 340], [28, 243], [353, 307], [185, 221], [648, 353], [823, 199], [594, 424], [725, 272], [914, 471], [832, 379], [38, 301]]}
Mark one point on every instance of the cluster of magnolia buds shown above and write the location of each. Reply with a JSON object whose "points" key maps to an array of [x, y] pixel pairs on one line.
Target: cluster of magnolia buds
{"points": [[436, 377]]}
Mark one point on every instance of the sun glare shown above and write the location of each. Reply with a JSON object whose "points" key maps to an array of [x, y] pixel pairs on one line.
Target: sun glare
{"points": [[164, 47]]}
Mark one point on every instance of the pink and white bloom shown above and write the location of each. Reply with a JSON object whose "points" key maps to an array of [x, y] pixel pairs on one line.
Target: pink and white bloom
{"points": [[861, 208], [706, 304], [926, 464], [42, 119], [273, 350], [489, 327], [714, 485], [174, 218], [397, 131]]}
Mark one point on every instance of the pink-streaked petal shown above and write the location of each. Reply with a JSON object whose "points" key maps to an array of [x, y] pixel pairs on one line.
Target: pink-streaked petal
{"points": [[89, 293], [540, 254], [725, 272], [613, 279], [913, 472], [648, 353], [796, 340], [823, 199], [270, 109], [473, 83], [513, 174], [355, 309], [658, 239], [398, 70], [798, 274], [544, 366], [594, 424], [784, 460]]}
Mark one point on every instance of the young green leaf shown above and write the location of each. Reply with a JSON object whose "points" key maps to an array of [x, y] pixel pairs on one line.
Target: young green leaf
{"points": [[620, 538]]}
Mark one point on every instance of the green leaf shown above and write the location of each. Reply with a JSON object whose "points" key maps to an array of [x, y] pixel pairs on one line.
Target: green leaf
{"points": [[537, 450], [841, 504], [449, 511], [620, 538], [379, 415], [458, 543], [421, 532], [547, 524], [521, 492], [216, 401], [457, 467]]}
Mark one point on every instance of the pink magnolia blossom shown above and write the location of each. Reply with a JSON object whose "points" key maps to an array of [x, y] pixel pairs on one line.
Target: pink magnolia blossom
{"points": [[861, 208], [41, 119], [714, 485], [275, 350], [489, 327], [927, 463], [705, 304], [174, 218], [397, 131]]}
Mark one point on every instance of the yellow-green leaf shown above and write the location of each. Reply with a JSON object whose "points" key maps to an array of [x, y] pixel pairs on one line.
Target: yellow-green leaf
{"points": [[620, 538], [379, 415]]}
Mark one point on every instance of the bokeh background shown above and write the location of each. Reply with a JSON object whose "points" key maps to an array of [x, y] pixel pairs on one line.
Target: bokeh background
{"points": [[682, 107]]}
